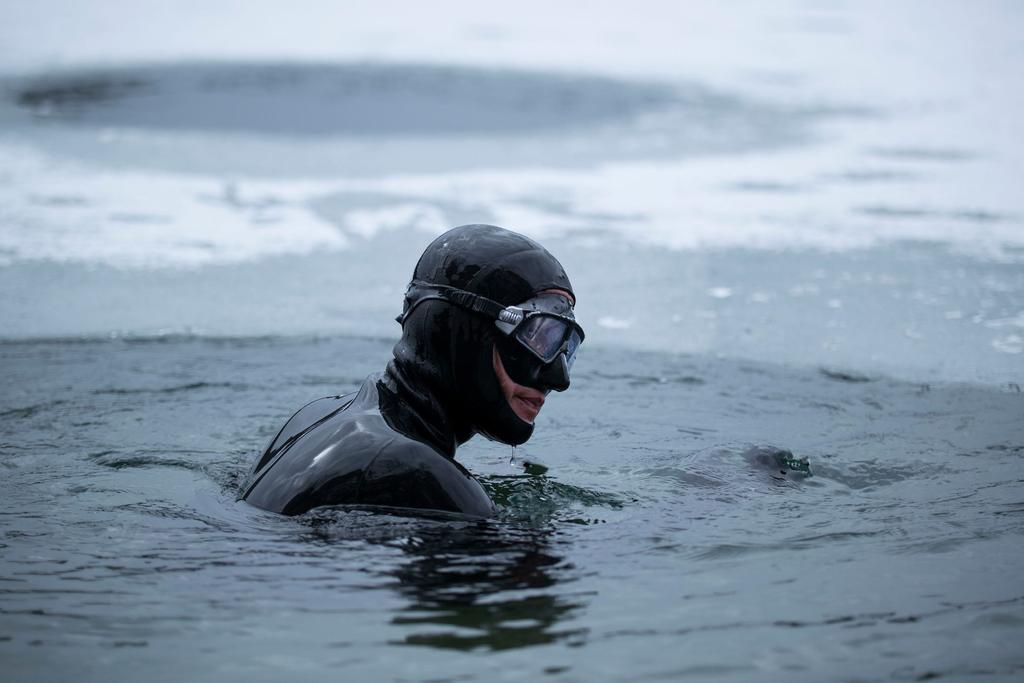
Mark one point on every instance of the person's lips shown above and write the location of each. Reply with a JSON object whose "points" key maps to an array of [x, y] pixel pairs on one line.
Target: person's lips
{"points": [[529, 404]]}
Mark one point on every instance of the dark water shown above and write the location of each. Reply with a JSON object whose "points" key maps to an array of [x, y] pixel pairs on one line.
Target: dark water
{"points": [[656, 546]]}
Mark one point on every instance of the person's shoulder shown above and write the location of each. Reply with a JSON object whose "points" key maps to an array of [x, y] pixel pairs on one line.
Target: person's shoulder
{"points": [[413, 474], [340, 449], [400, 453], [304, 418], [312, 413]]}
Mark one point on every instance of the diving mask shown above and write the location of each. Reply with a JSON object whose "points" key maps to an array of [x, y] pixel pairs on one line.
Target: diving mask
{"points": [[543, 325]]}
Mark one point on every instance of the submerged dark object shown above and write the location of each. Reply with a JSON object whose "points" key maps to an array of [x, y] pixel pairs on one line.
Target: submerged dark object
{"points": [[778, 460], [393, 443]]}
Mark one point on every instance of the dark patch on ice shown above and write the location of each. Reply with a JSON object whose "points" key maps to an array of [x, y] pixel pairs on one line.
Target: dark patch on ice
{"points": [[922, 154], [872, 176], [326, 99], [894, 212], [140, 218], [269, 119], [769, 186], [977, 216], [69, 94], [569, 209], [69, 201], [965, 215]]}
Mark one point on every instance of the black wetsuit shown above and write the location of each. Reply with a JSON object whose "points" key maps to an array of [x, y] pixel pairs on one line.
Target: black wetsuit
{"points": [[393, 442], [341, 449]]}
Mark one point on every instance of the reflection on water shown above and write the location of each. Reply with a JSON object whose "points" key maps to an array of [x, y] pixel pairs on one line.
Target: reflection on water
{"points": [[476, 588], [466, 584]]}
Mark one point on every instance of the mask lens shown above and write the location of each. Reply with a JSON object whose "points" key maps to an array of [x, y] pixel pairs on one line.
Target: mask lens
{"points": [[543, 335], [571, 348]]}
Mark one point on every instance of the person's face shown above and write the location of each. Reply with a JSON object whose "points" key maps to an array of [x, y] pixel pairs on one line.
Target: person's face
{"points": [[525, 402]]}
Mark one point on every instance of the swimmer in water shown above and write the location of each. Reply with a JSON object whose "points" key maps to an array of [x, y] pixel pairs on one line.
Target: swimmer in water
{"points": [[487, 332]]}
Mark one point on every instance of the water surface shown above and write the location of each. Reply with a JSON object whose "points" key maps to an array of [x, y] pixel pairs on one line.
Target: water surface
{"points": [[655, 546]]}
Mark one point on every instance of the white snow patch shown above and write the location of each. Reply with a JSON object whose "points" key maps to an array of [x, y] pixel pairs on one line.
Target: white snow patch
{"points": [[610, 323], [1011, 343]]}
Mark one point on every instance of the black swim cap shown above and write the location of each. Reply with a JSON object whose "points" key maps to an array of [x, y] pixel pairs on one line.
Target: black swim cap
{"points": [[447, 351]]}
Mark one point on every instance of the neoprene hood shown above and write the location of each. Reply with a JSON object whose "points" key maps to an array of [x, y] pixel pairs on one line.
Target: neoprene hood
{"points": [[443, 365]]}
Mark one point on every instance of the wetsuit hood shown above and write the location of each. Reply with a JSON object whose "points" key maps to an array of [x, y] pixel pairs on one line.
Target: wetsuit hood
{"points": [[443, 365]]}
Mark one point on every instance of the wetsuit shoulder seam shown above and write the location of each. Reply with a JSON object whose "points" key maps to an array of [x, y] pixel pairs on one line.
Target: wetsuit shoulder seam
{"points": [[286, 446]]}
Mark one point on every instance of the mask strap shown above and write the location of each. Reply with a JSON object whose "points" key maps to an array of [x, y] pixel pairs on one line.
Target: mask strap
{"points": [[418, 292]]}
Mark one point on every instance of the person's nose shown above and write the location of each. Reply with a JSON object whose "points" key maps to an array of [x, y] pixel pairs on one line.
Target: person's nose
{"points": [[555, 375]]}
